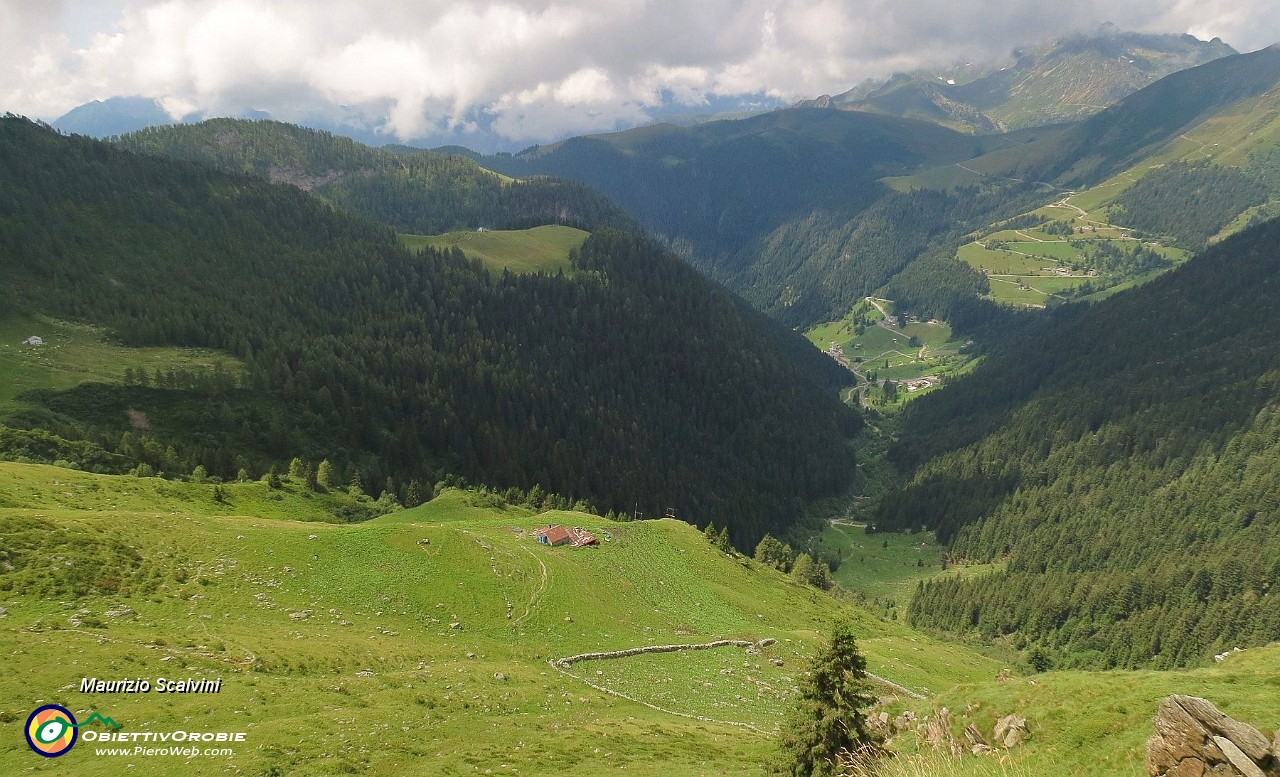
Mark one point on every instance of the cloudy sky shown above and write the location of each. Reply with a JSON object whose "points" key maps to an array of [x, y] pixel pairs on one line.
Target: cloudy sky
{"points": [[532, 69]]}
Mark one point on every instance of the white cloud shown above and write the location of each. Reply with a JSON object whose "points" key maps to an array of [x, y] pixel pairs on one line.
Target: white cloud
{"points": [[538, 68]]}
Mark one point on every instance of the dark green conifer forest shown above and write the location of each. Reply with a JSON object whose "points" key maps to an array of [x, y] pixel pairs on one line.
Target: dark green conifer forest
{"points": [[630, 382], [1121, 461]]}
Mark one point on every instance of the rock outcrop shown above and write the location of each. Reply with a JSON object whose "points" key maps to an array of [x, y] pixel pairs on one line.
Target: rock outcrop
{"points": [[1194, 739], [1011, 730]]}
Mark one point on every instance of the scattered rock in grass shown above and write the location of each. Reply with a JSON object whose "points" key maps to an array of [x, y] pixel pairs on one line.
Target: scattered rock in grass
{"points": [[776, 662], [904, 722], [312, 536], [300, 615], [1011, 730], [470, 654], [935, 731], [1005, 676], [499, 676], [974, 737], [365, 673], [120, 611], [455, 625]]}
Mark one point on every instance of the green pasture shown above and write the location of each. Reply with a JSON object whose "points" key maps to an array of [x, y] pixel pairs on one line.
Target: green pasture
{"points": [[540, 249], [416, 643], [1039, 289], [937, 178], [1000, 262], [1097, 722], [1059, 250], [75, 353]]}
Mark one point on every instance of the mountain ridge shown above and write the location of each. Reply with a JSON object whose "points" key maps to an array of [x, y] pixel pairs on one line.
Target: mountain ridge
{"points": [[400, 367], [1066, 80]]}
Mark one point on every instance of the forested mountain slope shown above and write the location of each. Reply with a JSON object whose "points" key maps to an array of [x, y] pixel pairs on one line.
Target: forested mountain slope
{"points": [[1125, 460], [416, 191], [786, 208], [630, 382]]}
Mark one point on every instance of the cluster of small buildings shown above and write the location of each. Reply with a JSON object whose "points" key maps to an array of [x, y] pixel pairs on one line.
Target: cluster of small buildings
{"points": [[562, 535], [922, 383]]}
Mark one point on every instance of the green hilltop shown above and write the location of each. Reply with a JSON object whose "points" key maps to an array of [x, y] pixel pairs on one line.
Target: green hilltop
{"points": [[415, 191], [539, 249]]}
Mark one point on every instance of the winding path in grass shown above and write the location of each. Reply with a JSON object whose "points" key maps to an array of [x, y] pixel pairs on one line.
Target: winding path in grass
{"points": [[537, 593]]}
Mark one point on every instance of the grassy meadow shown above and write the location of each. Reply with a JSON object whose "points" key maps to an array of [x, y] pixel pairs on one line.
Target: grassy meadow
{"points": [[75, 353], [540, 249], [419, 642], [887, 351], [416, 643], [1091, 722]]}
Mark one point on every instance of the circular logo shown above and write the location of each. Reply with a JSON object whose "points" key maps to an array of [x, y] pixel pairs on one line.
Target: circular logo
{"points": [[51, 730]]}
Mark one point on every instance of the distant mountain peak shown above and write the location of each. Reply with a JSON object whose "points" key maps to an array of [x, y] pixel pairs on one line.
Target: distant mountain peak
{"points": [[1071, 78]]}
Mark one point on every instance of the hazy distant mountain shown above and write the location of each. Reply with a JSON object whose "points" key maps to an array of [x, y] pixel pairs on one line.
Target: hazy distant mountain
{"points": [[113, 116], [120, 115], [1223, 110], [1069, 79]]}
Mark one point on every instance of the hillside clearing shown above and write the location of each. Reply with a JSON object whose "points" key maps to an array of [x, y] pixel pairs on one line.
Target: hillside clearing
{"points": [[75, 353], [540, 249]]}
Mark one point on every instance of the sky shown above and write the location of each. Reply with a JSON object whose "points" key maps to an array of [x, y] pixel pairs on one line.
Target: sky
{"points": [[529, 71]]}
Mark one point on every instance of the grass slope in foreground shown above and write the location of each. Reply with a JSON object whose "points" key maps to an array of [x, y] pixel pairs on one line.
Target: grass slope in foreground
{"points": [[1092, 722], [338, 648], [540, 249]]}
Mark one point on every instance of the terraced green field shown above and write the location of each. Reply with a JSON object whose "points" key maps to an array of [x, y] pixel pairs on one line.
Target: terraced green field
{"points": [[1001, 262], [540, 249]]}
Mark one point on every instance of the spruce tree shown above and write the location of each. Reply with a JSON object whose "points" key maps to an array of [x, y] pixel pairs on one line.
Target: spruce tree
{"points": [[324, 475], [802, 568], [828, 726], [723, 542]]}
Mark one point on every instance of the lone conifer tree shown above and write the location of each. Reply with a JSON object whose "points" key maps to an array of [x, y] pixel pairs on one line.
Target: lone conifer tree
{"points": [[829, 723]]}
